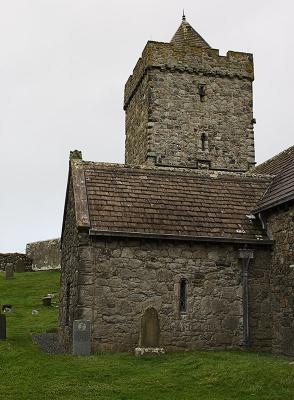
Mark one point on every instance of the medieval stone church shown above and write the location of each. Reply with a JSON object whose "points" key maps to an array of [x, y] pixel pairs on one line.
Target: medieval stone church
{"points": [[188, 235]]}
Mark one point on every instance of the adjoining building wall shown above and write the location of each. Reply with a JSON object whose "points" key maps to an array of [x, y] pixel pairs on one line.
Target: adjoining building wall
{"points": [[45, 254], [20, 262], [280, 222], [169, 122], [117, 280]]}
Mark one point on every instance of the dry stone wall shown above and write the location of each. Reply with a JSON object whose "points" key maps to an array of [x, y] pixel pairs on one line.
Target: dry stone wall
{"points": [[119, 279], [45, 254], [19, 261]]}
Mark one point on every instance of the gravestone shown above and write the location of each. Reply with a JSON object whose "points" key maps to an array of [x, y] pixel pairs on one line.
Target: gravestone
{"points": [[6, 308], [9, 272], [81, 337], [150, 331], [20, 266], [2, 327], [47, 301]]}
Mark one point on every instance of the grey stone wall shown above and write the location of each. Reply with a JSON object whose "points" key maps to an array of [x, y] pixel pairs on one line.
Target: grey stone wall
{"points": [[20, 262], [120, 279], [45, 254], [260, 311], [166, 118], [137, 143], [280, 222], [69, 273]]}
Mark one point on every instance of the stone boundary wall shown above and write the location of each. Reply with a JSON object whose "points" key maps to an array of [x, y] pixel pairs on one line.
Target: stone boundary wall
{"points": [[45, 254], [21, 262]]}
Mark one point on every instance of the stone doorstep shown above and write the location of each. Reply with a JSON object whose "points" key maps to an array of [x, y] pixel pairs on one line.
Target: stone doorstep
{"points": [[142, 351]]}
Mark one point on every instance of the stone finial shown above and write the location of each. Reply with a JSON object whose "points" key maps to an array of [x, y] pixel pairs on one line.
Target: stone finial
{"points": [[75, 155]]}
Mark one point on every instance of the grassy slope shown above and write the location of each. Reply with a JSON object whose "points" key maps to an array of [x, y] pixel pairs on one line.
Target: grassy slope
{"points": [[27, 373]]}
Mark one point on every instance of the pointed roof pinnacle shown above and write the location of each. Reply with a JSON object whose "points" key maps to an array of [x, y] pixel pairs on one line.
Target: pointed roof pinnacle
{"points": [[183, 16], [186, 35]]}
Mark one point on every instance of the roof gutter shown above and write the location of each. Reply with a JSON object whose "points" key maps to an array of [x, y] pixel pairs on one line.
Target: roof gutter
{"points": [[144, 235]]}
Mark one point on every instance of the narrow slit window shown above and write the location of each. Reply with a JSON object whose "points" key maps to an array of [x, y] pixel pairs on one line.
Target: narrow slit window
{"points": [[203, 141], [183, 295], [202, 91]]}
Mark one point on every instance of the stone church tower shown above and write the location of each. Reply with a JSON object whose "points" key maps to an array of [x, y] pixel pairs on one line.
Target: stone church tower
{"points": [[187, 106], [183, 257]]}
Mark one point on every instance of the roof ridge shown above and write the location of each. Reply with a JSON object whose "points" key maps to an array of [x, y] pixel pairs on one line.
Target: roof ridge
{"points": [[195, 173], [275, 157]]}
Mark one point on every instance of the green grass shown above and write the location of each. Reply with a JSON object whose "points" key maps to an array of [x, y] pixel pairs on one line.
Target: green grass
{"points": [[27, 373]]}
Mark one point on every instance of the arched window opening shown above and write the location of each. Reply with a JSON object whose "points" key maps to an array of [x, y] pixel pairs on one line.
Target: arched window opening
{"points": [[183, 295], [202, 91]]}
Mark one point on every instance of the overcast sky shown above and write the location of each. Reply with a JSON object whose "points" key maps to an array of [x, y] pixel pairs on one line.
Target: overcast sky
{"points": [[63, 65]]}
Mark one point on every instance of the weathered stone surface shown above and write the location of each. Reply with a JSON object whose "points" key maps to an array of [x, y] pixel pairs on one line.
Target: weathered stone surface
{"points": [[45, 254], [69, 262], [150, 329], [153, 351], [9, 272], [81, 338], [214, 308], [280, 222], [169, 123], [20, 262]]}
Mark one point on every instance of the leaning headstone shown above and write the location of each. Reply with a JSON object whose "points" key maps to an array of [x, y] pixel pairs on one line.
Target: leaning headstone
{"points": [[2, 327], [47, 301], [150, 334], [9, 272], [81, 337]]}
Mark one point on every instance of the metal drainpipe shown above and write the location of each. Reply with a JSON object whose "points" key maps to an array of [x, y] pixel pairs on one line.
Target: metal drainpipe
{"points": [[246, 255]]}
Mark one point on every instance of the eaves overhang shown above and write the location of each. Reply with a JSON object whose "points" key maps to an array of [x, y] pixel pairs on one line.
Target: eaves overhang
{"points": [[273, 204], [144, 235]]}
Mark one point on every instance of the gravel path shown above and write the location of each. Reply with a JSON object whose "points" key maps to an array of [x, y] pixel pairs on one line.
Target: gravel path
{"points": [[48, 342]]}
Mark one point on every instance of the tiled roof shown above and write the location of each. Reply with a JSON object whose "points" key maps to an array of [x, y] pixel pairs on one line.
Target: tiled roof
{"points": [[182, 204], [282, 187], [186, 34]]}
